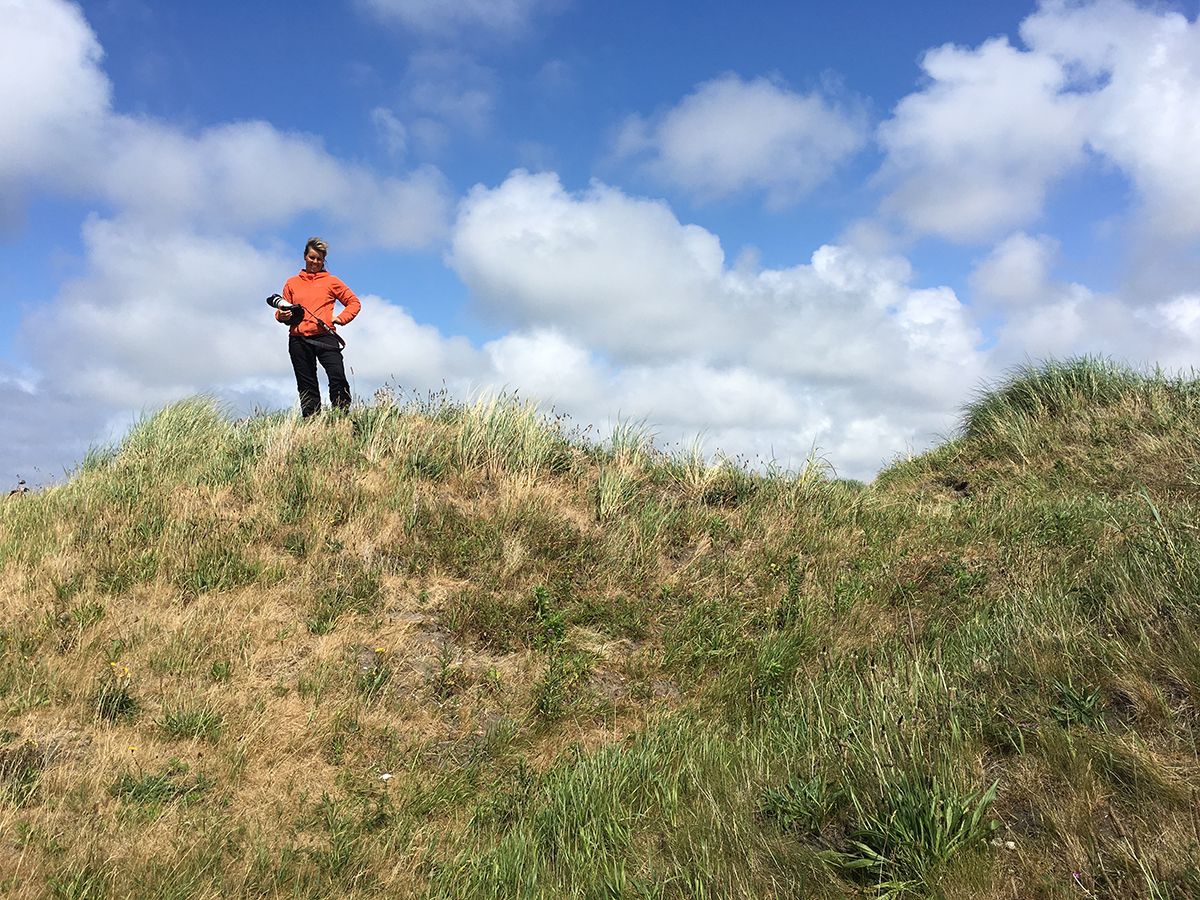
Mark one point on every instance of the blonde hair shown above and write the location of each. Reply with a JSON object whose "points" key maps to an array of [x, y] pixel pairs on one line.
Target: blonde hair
{"points": [[315, 243]]}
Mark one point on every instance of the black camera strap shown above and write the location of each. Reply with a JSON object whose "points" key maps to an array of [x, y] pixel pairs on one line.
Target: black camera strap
{"points": [[326, 332], [326, 340]]}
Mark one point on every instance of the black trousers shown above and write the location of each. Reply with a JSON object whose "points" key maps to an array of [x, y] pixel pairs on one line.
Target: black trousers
{"points": [[305, 352]]}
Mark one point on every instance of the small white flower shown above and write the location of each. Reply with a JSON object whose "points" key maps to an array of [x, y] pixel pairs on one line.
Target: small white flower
{"points": [[386, 776]]}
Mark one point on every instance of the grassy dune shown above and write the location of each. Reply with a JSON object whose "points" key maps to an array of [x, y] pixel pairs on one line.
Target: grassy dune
{"points": [[442, 651]]}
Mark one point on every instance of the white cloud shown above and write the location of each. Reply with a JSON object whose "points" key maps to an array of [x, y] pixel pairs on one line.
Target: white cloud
{"points": [[1182, 314], [53, 94], [645, 308], [246, 175], [1040, 318], [441, 18], [546, 365], [146, 322], [57, 127], [1016, 270], [734, 410], [531, 251], [628, 278], [672, 392], [46, 432], [976, 150], [733, 136], [1145, 68], [393, 347]]}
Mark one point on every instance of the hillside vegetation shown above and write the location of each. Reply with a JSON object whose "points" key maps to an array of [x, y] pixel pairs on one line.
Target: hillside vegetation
{"points": [[445, 651]]}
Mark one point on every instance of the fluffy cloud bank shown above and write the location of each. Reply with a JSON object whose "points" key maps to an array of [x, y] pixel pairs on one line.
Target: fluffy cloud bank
{"points": [[731, 136], [53, 95], [1039, 316], [841, 346], [58, 129], [975, 152]]}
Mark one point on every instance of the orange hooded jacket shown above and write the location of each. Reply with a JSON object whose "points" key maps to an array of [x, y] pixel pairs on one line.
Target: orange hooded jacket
{"points": [[316, 293]]}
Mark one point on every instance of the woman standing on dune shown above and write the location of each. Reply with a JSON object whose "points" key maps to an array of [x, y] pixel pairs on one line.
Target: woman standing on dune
{"points": [[312, 337]]}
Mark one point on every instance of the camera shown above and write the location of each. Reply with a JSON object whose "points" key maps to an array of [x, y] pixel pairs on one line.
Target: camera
{"points": [[279, 303], [293, 313]]}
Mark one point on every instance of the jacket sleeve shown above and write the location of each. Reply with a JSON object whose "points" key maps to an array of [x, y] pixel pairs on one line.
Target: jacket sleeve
{"points": [[350, 303]]}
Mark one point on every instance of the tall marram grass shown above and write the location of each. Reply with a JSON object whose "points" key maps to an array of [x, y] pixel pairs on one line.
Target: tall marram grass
{"points": [[441, 650], [1088, 386], [1088, 422]]}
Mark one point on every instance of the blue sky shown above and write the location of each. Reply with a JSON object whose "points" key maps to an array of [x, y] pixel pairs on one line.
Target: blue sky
{"points": [[782, 229]]}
